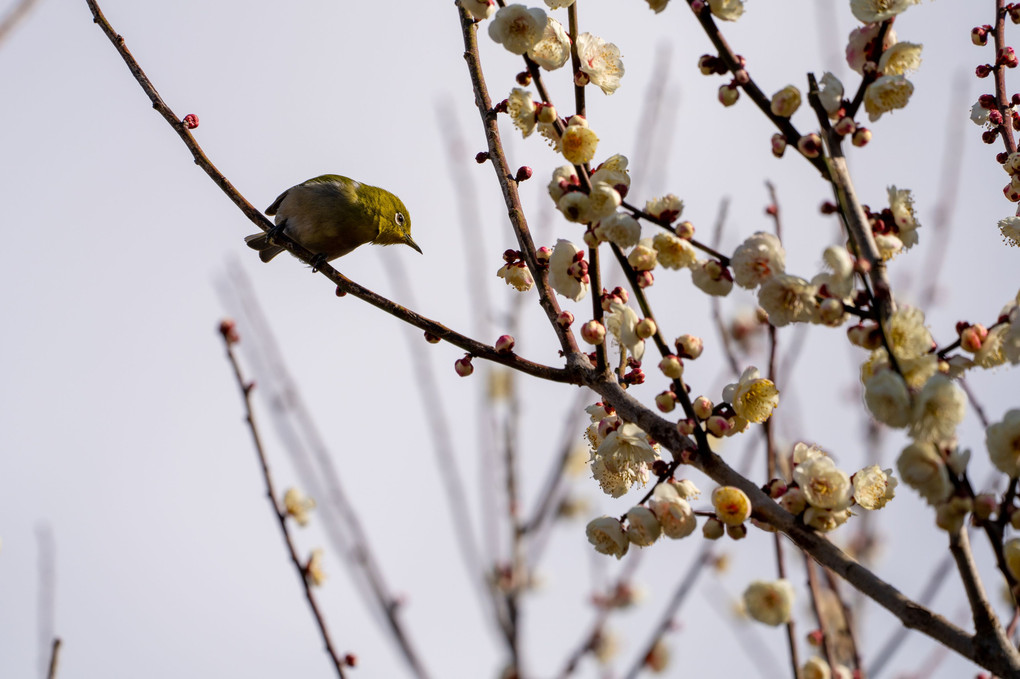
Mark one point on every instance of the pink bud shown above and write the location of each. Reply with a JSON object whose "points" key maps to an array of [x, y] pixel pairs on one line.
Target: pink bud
{"points": [[861, 137], [973, 337], [565, 319], [666, 401], [810, 145], [672, 367], [542, 255], [593, 332], [702, 408], [523, 174], [463, 366], [844, 126], [685, 427], [645, 279], [689, 346], [190, 121], [505, 344], [685, 230]]}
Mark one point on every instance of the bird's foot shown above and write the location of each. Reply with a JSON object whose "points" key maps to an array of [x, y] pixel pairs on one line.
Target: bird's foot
{"points": [[274, 232], [317, 262]]}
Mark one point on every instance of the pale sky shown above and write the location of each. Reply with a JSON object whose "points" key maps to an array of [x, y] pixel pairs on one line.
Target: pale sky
{"points": [[121, 427]]}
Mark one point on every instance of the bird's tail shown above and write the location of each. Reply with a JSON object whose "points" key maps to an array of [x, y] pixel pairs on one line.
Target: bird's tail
{"points": [[260, 242]]}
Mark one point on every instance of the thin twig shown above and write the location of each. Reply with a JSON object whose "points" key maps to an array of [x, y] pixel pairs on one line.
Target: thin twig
{"points": [[54, 658], [828, 647], [246, 388]]}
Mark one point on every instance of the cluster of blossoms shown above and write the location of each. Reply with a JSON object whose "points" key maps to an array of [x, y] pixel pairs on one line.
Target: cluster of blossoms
{"points": [[668, 513], [760, 262], [822, 495], [621, 453], [895, 227]]}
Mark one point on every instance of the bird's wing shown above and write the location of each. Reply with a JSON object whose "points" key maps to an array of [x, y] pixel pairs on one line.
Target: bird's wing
{"points": [[271, 210]]}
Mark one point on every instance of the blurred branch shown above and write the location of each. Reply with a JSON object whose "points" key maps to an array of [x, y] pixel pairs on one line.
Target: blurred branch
{"points": [[14, 17], [46, 595], [302, 570]]}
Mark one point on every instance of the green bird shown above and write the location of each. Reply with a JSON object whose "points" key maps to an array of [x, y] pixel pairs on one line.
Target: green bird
{"points": [[332, 215]]}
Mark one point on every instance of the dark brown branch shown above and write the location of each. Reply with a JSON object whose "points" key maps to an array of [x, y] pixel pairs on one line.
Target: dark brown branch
{"points": [[54, 658]]}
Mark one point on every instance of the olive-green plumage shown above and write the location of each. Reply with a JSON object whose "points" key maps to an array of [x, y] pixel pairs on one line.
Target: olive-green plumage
{"points": [[332, 215]]}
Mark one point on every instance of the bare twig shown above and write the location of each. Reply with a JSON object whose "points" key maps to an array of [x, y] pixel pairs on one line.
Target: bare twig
{"points": [[46, 593], [51, 673], [246, 388]]}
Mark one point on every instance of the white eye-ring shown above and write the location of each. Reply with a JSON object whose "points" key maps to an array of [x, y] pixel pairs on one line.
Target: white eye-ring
{"points": [[399, 218]]}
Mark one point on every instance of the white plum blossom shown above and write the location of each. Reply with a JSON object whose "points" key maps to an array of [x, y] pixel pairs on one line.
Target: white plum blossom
{"points": [[756, 259], [888, 399], [938, 409], [753, 397], [872, 11], [478, 9], [1003, 442], [856, 55], [620, 229], [517, 276], [674, 253], [901, 58], [1010, 229], [727, 10], [874, 487], [622, 459], [642, 527], [622, 322], [901, 204], [787, 299], [603, 200], [769, 602], [606, 535], [600, 61], [521, 109], [517, 27], [824, 485], [830, 94], [673, 511], [712, 278], [566, 275], [553, 49], [839, 282], [887, 93], [923, 469]]}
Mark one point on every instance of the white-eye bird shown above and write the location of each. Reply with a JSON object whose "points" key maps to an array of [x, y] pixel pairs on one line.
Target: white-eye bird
{"points": [[332, 215]]}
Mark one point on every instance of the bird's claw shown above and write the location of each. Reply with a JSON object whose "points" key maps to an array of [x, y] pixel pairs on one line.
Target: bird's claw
{"points": [[317, 262]]}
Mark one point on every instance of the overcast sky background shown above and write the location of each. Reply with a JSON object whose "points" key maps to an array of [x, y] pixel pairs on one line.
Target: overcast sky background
{"points": [[121, 429]]}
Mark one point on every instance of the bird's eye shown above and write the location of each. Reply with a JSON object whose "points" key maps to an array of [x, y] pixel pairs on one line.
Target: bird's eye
{"points": [[399, 218]]}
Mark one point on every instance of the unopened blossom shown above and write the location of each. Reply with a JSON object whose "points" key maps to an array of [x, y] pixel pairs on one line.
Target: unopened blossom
{"points": [[887, 93], [517, 27], [712, 278], [815, 668], [888, 399], [727, 10], [1003, 442], [769, 602], [938, 409], [901, 204], [787, 299], [642, 527], [603, 200], [622, 322], [793, 501], [1011, 552], [830, 94], [517, 276], [298, 505], [667, 207], [871, 11], [889, 245], [825, 520], [901, 58], [991, 353], [643, 256], [732, 506], [674, 253], [756, 259], [673, 511], [1010, 229], [600, 61], [839, 282], [753, 397], [620, 229], [672, 367], [874, 487], [923, 469], [593, 332], [658, 657], [606, 535], [478, 9], [553, 49], [522, 110], [825, 486], [785, 102], [802, 452], [979, 115], [578, 142], [559, 4], [563, 179], [314, 571], [613, 171], [566, 275], [856, 53]]}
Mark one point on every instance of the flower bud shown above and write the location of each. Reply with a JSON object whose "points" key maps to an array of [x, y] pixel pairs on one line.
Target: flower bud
{"points": [[861, 137], [717, 425], [973, 337], [644, 279], [686, 427], [732, 506], [565, 319], [737, 532], [523, 174], [505, 344], [430, 338], [463, 366], [593, 332], [713, 529], [547, 114], [702, 408], [1011, 554], [672, 367], [810, 145], [542, 256], [979, 36], [728, 94], [689, 346], [778, 145], [785, 102], [190, 121], [793, 501], [845, 126], [666, 401], [985, 506], [481, 157], [645, 328], [642, 527]]}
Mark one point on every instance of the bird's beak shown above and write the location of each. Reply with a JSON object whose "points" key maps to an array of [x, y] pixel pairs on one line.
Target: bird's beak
{"points": [[410, 241]]}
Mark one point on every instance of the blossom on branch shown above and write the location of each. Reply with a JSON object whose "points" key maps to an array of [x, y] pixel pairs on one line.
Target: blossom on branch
{"points": [[600, 61], [517, 28], [756, 259], [887, 93], [769, 602], [727, 10], [1003, 442], [873, 11], [553, 49]]}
